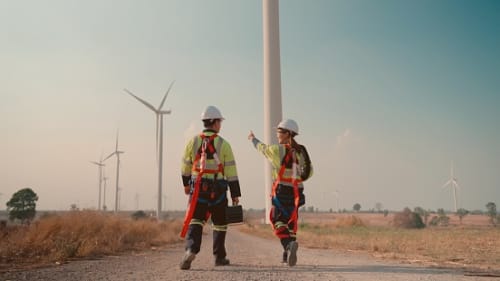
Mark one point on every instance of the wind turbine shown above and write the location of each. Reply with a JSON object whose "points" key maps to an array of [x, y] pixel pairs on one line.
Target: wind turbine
{"points": [[137, 201], [100, 165], [117, 153], [105, 179], [452, 182], [159, 138], [336, 194]]}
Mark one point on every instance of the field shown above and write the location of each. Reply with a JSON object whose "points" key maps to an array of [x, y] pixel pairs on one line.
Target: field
{"points": [[474, 243], [56, 238]]}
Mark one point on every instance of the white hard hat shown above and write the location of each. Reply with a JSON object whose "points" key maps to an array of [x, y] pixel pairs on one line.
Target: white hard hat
{"points": [[211, 112], [290, 125]]}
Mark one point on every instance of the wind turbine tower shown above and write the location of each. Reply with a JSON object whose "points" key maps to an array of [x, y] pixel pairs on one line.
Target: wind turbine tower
{"points": [[105, 179], [137, 201], [117, 153], [272, 85], [100, 165], [337, 195], [159, 139], [452, 182]]}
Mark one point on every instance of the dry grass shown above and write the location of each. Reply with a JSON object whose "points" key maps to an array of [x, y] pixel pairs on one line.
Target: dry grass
{"points": [[90, 234], [468, 246], [81, 234]]}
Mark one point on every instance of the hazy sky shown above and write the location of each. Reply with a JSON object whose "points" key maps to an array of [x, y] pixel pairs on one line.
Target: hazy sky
{"points": [[387, 94]]}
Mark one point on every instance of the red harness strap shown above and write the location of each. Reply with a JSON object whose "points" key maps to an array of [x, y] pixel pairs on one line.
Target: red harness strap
{"points": [[201, 171], [295, 184]]}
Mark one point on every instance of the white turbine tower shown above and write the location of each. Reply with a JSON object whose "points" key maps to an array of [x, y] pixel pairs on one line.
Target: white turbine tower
{"points": [[272, 85], [117, 153], [100, 166], [452, 182], [120, 190], [159, 139], [137, 201], [104, 179], [336, 193]]}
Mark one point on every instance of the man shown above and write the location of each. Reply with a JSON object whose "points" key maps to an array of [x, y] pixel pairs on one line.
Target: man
{"points": [[208, 168]]}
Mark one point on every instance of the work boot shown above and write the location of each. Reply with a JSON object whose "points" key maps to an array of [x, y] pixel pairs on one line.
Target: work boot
{"points": [[221, 261], [292, 248], [285, 257], [186, 260]]}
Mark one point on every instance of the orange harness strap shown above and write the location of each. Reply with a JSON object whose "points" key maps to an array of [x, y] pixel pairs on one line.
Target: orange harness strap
{"points": [[296, 196], [201, 171]]}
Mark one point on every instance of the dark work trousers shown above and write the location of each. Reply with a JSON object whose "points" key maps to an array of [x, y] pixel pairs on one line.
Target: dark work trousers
{"points": [[203, 211], [283, 207]]}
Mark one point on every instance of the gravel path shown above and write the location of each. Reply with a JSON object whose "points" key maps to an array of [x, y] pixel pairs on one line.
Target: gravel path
{"points": [[252, 258]]}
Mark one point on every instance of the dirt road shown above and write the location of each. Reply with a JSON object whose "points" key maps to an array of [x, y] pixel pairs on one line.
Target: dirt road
{"points": [[252, 258]]}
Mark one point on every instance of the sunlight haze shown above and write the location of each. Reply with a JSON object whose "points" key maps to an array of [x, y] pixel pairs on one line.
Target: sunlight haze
{"points": [[387, 94]]}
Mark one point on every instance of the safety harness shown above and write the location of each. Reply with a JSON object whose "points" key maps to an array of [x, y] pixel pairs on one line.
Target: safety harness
{"points": [[295, 184], [199, 165]]}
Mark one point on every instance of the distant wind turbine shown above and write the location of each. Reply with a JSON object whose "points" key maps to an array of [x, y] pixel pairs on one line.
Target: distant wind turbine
{"points": [[100, 166], [159, 139], [137, 201], [336, 194], [117, 153], [105, 179], [452, 182]]}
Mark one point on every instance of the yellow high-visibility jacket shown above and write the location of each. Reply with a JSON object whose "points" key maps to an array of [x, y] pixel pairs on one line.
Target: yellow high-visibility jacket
{"points": [[275, 154], [226, 157]]}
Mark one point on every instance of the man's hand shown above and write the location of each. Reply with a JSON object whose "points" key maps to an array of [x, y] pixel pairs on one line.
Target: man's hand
{"points": [[187, 189], [236, 201]]}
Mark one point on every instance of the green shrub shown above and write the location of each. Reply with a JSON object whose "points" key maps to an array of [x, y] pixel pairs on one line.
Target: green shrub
{"points": [[139, 215], [440, 221], [408, 219]]}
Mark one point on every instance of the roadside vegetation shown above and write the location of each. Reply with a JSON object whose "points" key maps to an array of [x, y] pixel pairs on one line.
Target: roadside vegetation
{"points": [[76, 234]]}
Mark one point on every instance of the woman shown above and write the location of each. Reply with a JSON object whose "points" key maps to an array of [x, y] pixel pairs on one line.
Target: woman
{"points": [[291, 166]]}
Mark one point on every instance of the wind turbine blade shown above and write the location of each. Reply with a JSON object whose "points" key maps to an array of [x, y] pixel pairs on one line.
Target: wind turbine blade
{"points": [[141, 100], [109, 156], [166, 94], [447, 183], [93, 162]]}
